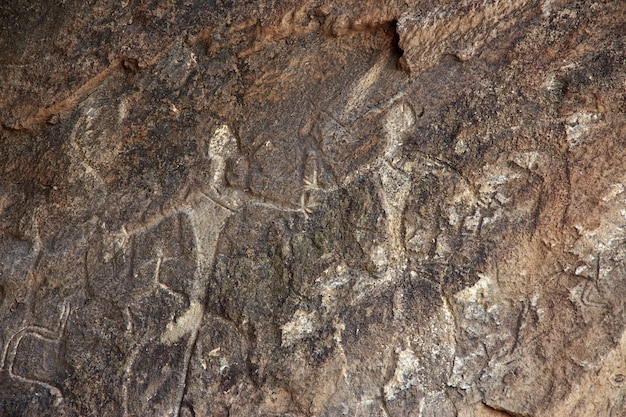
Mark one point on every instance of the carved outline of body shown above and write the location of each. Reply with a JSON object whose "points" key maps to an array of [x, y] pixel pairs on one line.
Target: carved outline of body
{"points": [[208, 210]]}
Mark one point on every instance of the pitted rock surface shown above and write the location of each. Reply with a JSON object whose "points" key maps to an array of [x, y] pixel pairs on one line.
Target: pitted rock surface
{"points": [[280, 208]]}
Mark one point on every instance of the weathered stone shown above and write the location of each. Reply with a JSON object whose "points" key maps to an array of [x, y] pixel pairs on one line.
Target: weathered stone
{"points": [[304, 208]]}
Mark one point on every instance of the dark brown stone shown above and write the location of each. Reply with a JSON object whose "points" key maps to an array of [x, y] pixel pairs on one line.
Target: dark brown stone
{"points": [[313, 209]]}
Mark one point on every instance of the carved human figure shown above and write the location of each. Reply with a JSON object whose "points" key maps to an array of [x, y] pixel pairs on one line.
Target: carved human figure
{"points": [[206, 211], [342, 295]]}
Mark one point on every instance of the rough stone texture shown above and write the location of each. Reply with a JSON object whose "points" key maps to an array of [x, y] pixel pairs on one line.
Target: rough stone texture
{"points": [[306, 208]]}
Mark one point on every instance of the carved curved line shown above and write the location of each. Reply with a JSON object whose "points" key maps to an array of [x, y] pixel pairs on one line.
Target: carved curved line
{"points": [[127, 371], [217, 200], [152, 222], [585, 296], [183, 384], [39, 332], [162, 285], [10, 349], [53, 390]]}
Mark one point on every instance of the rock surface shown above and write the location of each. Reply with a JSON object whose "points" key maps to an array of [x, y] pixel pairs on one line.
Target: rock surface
{"points": [[313, 208]]}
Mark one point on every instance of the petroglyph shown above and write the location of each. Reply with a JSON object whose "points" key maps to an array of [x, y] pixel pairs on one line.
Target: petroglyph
{"points": [[396, 182], [158, 282], [588, 291], [187, 323], [207, 210], [276, 218], [9, 353], [207, 218], [82, 129], [394, 175], [405, 375]]}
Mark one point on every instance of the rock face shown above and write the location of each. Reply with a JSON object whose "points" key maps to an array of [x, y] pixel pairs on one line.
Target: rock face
{"points": [[313, 208]]}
